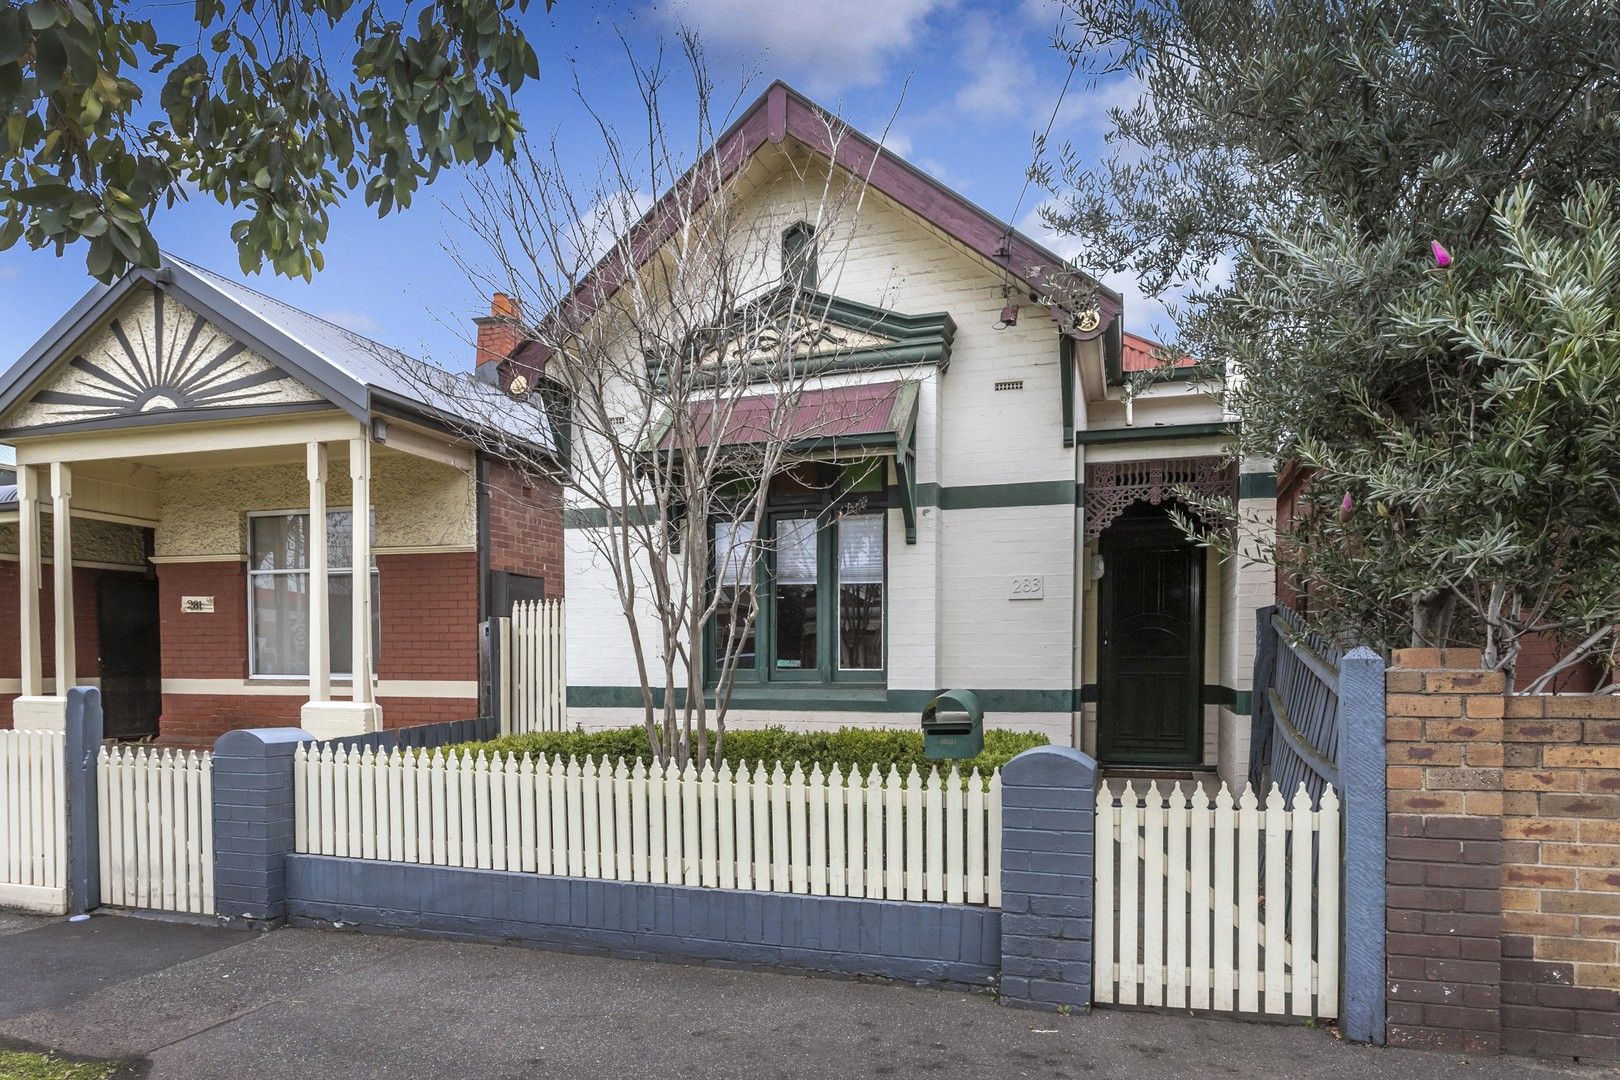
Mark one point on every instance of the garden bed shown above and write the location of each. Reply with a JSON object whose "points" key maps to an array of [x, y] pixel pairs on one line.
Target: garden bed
{"points": [[848, 748]]}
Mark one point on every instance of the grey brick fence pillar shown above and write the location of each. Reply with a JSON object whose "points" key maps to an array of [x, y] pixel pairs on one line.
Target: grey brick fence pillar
{"points": [[1362, 755], [81, 742], [253, 821], [1048, 851]]}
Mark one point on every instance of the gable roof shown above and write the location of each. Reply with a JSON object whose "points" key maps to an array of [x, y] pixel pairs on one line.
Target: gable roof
{"points": [[353, 372], [782, 113]]}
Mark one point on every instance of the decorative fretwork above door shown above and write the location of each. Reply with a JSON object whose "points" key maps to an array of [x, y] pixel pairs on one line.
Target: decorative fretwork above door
{"points": [[1113, 486]]}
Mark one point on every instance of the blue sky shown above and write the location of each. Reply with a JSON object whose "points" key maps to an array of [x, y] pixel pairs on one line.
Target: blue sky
{"points": [[967, 83]]}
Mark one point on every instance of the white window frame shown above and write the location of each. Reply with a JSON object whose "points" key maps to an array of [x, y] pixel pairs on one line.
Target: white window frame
{"points": [[345, 679]]}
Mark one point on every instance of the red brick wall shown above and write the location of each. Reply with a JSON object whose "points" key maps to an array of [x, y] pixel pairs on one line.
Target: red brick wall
{"points": [[525, 526], [204, 646], [1504, 863], [428, 608], [86, 627], [199, 719]]}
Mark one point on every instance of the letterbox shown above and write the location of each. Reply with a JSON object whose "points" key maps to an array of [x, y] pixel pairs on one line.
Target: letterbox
{"points": [[953, 726]]}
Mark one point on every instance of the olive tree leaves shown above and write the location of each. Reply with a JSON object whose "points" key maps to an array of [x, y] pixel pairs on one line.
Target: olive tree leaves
{"points": [[251, 110]]}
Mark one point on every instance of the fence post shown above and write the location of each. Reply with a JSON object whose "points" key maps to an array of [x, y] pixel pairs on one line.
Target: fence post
{"points": [[253, 821], [1265, 673], [1048, 831], [81, 741], [1362, 774], [490, 688]]}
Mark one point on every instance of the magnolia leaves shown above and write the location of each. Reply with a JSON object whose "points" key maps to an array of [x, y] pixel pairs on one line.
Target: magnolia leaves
{"points": [[251, 111]]}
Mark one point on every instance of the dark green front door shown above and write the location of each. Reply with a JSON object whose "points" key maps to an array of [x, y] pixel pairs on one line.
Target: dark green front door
{"points": [[1150, 646]]}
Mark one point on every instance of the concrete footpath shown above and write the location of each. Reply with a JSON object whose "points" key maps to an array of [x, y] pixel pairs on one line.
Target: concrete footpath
{"points": [[183, 1000]]}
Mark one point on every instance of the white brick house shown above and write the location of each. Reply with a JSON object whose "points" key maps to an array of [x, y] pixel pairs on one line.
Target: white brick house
{"points": [[1034, 564]]}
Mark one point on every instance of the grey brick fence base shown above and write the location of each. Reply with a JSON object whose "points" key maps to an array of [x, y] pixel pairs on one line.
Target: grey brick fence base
{"points": [[1039, 943], [1048, 848], [934, 943], [253, 821]]}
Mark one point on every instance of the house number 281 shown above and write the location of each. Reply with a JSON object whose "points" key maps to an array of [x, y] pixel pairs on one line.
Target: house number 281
{"points": [[1027, 588]]}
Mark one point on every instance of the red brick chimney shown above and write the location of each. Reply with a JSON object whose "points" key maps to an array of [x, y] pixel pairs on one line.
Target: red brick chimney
{"points": [[499, 331]]}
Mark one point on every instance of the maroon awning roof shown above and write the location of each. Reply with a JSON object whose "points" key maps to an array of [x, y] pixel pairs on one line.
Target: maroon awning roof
{"points": [[853, 414]]}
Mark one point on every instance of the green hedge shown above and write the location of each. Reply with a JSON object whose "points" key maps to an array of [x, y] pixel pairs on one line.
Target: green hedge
{"points": [[847, 747]]}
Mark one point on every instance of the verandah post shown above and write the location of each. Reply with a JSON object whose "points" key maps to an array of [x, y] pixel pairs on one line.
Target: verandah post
{"points": [[1362, 756]]}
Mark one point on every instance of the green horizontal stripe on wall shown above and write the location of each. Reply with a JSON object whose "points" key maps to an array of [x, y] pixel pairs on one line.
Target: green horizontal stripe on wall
{"points": [[1257, 486], [831, 699], [1145, 434], [985, 496]]}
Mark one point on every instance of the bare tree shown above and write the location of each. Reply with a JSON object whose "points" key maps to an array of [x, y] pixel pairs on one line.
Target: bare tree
{"points": [[685, 355]]}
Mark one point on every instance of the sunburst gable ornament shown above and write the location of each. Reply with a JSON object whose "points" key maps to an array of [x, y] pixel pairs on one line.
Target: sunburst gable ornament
{"points": [[159, 356]]}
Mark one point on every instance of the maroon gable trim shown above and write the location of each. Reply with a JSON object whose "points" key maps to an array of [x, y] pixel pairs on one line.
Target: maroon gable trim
{"points": [[782, 112]]}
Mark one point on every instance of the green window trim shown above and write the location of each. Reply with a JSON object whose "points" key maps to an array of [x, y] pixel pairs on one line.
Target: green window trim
{"points": [[827, 674]]}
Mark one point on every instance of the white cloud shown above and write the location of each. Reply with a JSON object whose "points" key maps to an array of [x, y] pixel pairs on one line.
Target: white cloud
{"points": [[10, 273], [607, 219], [358, 321], [830, 44], [1001, 78]]}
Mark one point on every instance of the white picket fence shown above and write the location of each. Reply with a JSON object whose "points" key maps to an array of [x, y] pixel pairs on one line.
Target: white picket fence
{"points": [[1182, 919], [534, 668], [33, 821], [156, 815], [893, 837]]}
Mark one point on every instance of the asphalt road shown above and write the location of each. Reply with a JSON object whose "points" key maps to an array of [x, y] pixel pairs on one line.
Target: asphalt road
{"points": [[182, 1000]]}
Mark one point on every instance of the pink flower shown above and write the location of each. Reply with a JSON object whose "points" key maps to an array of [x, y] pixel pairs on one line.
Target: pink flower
{"points": [[1345, 508], [1442, 257]]}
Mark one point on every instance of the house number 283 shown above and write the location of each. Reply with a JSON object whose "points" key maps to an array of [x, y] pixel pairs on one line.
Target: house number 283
{"points": [[1027, 588]]}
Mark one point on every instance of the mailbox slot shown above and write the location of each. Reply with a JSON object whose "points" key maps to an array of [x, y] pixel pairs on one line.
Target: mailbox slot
{"points": [[953, 726]]}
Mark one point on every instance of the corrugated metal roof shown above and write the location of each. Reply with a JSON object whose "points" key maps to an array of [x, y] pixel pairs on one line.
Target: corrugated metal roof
{"points": [[460, 395]]}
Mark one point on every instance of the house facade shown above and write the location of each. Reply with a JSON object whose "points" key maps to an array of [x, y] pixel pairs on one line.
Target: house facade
{"points": [[176, 435], [1017, 540]]}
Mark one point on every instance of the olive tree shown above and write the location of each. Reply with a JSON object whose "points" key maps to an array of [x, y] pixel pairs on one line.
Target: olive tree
{"points": [[1411, 202]]}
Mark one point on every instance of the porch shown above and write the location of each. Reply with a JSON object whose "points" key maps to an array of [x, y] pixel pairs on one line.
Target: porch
{"points": [[252, 609]]}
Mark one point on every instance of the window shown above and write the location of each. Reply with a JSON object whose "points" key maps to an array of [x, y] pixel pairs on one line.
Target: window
{"points": [[821, 592], [734, 582], [278, 593], [799, 256]]}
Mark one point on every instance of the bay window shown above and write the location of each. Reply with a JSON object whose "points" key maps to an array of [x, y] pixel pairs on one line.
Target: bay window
{"points": [[278, 594], [820, 585]]}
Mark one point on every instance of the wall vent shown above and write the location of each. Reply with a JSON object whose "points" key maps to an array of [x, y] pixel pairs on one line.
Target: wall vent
{"points": [[1010, 384]]}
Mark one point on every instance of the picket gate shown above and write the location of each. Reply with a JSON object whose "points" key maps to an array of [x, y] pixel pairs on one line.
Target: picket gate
{"points": [[33, 821], [156, 816], [880, 836], [1220, 905], [533, 668]]}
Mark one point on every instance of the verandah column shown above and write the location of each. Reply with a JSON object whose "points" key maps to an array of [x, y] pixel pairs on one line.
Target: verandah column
{"points": [[34, 710], [322, 716], [320, 584], [28, 577], [62, 536], [360, 577]]}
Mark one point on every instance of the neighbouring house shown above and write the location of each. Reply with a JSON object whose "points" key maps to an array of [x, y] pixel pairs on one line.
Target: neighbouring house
{"points": [[1019, 543], [174, 434]]}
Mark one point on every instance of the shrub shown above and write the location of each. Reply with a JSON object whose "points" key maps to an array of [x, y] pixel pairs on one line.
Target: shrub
{"points": [[859, 748]]}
